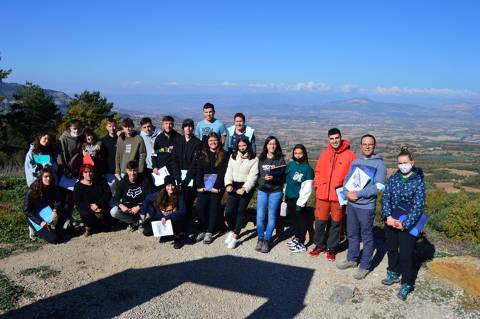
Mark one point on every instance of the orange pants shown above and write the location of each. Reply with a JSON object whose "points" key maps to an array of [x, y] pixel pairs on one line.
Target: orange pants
{"points": [[324, 208]]}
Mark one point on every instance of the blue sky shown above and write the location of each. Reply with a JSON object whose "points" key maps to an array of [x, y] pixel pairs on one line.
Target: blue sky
{"points": [[381, 49]]}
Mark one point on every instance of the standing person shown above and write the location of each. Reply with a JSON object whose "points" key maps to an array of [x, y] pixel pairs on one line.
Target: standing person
{"points": [[42, 193], [92, 147], [404, 195], [332, 167], [130, 147], [240, 179], [166, 204], [299, 181], [92, 198], [210, 124], [109, 150], [40, 154], [361, 208], [271, 167], [164, 148], [210, 173], [186, 154], [129, 196], [149, 133], [236, 131]]}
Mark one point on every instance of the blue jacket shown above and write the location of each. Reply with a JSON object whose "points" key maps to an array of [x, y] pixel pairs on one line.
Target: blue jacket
{"points": [[367, 197], [249, 133], [148, 206], [410, 191]]}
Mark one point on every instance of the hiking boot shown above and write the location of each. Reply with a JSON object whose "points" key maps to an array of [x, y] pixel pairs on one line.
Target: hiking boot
{"points": [[316, 251], [330, 255], [200, 236], [392, 278], [229, 237], [405, 289], [361, 273], [259, 245], [208, 238], [346, 264], [298, 248], [265, 247]]}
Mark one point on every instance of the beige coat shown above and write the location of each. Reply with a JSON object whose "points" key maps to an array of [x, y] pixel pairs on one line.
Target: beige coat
{"points": [[242, 170]]}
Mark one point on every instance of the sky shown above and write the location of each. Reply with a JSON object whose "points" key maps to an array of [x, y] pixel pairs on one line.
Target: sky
{"points": [[388, 50]]}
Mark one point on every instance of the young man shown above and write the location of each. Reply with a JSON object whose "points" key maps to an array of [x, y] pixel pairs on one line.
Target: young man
{"points": [[129, 196], [187, 152], [130, 147], [149, 133], [210, 124], [330, 172], [236, 131], [361, 207], [109, 151], [164, 147]]}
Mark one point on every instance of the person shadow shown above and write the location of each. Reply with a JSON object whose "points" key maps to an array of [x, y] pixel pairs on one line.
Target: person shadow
{"points": [[284, 288]]}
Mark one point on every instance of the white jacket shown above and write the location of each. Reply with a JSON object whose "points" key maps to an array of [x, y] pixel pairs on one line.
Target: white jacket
{"points": [[242, 170]]}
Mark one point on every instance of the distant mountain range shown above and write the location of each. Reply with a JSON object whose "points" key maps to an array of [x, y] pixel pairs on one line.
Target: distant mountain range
{"points": [[7, 90]]}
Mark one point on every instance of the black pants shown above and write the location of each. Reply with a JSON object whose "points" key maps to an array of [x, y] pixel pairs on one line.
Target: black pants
{"points": [[207, 210], [236, 210], [53, 236], [400, 247], [324, 230], [298, 218], [90, 220], [189, 194]]}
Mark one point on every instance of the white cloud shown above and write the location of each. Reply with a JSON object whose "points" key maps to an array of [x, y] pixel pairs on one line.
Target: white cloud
{"points": [[396, 90], [173, 83], [228, 84]]}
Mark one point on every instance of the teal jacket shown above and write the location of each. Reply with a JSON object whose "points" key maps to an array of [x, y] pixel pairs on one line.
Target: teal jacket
{"points": [[299, 181]]}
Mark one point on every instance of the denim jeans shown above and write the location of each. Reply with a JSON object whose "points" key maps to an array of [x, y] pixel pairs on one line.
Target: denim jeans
{"points": [[271, 202]]}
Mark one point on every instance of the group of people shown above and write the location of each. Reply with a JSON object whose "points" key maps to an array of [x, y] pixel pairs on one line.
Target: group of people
{"points": [[162, 175]]}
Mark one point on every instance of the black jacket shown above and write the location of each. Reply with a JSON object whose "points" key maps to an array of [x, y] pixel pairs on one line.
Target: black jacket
{"points": [[32, 206], [186, 154], [207, 166], [99, 193], [164, 147], [108, 151], [132, 194]]}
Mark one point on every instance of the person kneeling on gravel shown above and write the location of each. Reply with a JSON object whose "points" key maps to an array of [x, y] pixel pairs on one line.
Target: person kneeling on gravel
{"points": [[167, 204]]}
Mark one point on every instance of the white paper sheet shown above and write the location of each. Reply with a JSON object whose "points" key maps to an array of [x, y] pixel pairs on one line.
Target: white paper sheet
{"points": [[160, 229], [357, 181], [160, 178]]}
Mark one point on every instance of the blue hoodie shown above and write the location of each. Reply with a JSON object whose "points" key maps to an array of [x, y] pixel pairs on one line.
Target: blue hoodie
{"points": [[376, 169], [149, 140]]}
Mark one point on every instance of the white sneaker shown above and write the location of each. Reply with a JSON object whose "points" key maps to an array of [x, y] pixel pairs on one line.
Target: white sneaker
{"points": [[229, 237], [31, 233], [299, 248], [232, 244], [292, 243]]}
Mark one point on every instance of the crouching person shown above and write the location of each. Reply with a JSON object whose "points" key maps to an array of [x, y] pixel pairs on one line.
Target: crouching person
{"points": [[167, 204], [42, 206], [129, 196]]}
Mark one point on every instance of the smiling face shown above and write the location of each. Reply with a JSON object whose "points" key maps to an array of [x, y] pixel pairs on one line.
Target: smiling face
{"points": [[239, 124], [111, 128], [242, 147], [170, 189], [167, 126], [212, 143], [208, 114], [88, 175], [132, 175], [147, 128], [74, 130], [128, 130], [45, 140], [47, 179], [188, 130], [335, 140], [368, 146], [272, 146]]}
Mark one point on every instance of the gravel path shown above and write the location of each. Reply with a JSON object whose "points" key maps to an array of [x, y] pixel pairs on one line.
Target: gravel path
{"points": [[126, 275]]}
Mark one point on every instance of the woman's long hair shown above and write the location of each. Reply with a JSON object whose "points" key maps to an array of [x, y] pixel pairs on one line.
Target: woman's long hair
{"points": [[219, 153], [165, 201], [37, 147], [278, 151], [38, 188], [304, 158], [250, 153]]}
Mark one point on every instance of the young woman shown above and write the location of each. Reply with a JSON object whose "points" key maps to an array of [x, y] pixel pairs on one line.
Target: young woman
{"points": [[404, 194], [271, 167], [210, 180], [92, 199], [299, 180], [43, 193], [41, 154], [240, 179], [167, 204]]}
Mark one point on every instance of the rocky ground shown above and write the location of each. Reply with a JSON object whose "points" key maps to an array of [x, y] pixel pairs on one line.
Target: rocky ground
{"points": [[126, 275]]}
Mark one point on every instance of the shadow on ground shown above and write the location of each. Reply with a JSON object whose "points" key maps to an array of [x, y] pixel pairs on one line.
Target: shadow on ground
{"points": [[283, 286]]}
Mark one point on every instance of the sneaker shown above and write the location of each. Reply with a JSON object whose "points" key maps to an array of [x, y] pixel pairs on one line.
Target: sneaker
{"points": [[292, 243], [330, 255], [258, 247], [265, 247], [299, 248], [232, 244], [229, 237], [346, 264], [361, 273], [208, 238], [132, 227], [200, 237], [88, 232], [316, 251], [405, 289], [177, 243], [31, 233], [392, 278]]}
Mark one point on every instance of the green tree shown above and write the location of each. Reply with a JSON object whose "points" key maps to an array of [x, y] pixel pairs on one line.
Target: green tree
{"points": [[3, 75], [89, 108]]}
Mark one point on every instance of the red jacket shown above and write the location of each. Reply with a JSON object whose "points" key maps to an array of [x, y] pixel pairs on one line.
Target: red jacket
{"points": [[332, 167]]}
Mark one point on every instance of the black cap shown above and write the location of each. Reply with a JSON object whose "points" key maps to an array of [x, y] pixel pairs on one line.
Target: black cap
{"points": [[188, 122], [169, 180]]}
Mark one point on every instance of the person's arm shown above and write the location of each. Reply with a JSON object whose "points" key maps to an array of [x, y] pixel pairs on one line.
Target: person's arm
{"points": [[118, 156], [141, 156], [119, 193], [28, 208], [349, 174], [181, 210], [252, 176], [147, 203], [78, 198], [30, 168], [193, 165], [305, 189], [229, 173], [417, 207], [280, 178], [200, 171], [254, 144], [106, 194], [386, 201], [222, 168]]}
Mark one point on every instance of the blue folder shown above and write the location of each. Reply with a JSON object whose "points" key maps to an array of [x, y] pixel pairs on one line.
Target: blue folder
{"points": [[45, 214], [209, 180]]}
